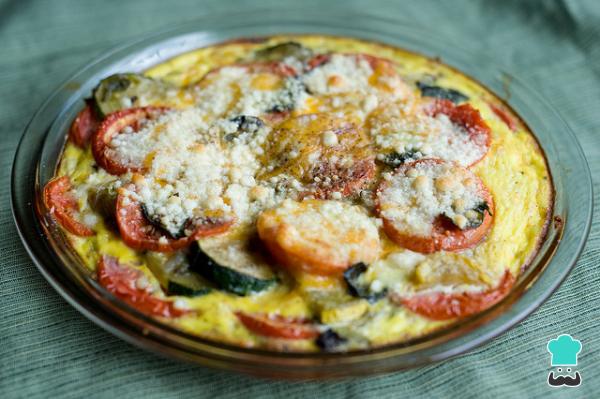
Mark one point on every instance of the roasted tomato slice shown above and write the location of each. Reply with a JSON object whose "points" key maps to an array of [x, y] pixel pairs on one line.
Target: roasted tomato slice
{"points": [[138, 233], [398, 196], [504, 115], [122, 281], [442, 306], [84, 126], [63, 206], [346, 236], [277, 326], [113, 125], [466, 117]]}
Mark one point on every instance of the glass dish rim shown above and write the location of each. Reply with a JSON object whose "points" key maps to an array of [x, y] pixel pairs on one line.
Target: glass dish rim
{"points": [[152, 40]]}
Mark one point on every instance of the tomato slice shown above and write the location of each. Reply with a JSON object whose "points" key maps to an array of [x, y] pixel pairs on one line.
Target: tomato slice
{"points": [[330, 250], [468, 118], [121, 281], [138, 233], [84, 126], [504, 116], [278, 326], [445, 235], [112, 125], [63, 206], [442, 306]]}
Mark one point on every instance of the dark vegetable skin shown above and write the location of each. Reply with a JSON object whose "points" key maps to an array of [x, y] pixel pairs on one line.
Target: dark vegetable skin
{"points": [[441, 306], [329, 341], [177, 288], [156, 222], [107, 88], [103, 199], [245, 124], [84, 126], [357, 289], [108, 96], [112, 126], [226, 278], [281, 51], [63, 206], [121, 281], [172, 271], [277, 326], [394, 159], [138, 233], [442, 93], [482, 208]]}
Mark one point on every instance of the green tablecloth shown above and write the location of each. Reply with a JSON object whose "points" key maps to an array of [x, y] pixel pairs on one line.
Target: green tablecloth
{"points": [[47, 349]]}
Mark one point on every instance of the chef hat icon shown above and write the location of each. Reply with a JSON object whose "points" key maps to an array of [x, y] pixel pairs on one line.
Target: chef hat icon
{"points": [[564, 350]]}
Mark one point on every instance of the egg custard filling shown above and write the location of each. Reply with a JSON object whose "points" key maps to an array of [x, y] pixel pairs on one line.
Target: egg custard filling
{"points": [[302, 193]]}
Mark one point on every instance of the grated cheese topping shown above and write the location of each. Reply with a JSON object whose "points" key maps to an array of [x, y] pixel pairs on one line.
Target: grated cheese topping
{"points": [[404, 126], [350, 81], [195, 170], [236, 90], [222, 159], [414, 197]]}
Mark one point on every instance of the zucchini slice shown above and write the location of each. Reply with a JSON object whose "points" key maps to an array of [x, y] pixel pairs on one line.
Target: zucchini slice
{"points": [[232, 265], [281, 51], [188, 285], [172, 271], [103, 199], [442, 93], [126, 90]]}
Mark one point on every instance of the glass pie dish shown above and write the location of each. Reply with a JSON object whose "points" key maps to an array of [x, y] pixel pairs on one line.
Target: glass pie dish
{"points": [[43, 140]]}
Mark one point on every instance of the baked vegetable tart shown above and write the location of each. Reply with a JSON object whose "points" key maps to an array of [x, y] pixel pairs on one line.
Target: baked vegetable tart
{"points": [[301, 193]]}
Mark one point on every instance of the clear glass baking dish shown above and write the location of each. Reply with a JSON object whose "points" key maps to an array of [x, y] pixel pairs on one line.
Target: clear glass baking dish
{"points": [[44, 137]]}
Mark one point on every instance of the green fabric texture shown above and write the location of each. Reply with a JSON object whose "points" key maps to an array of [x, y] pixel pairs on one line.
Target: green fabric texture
{"points": [[47, 349]]}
